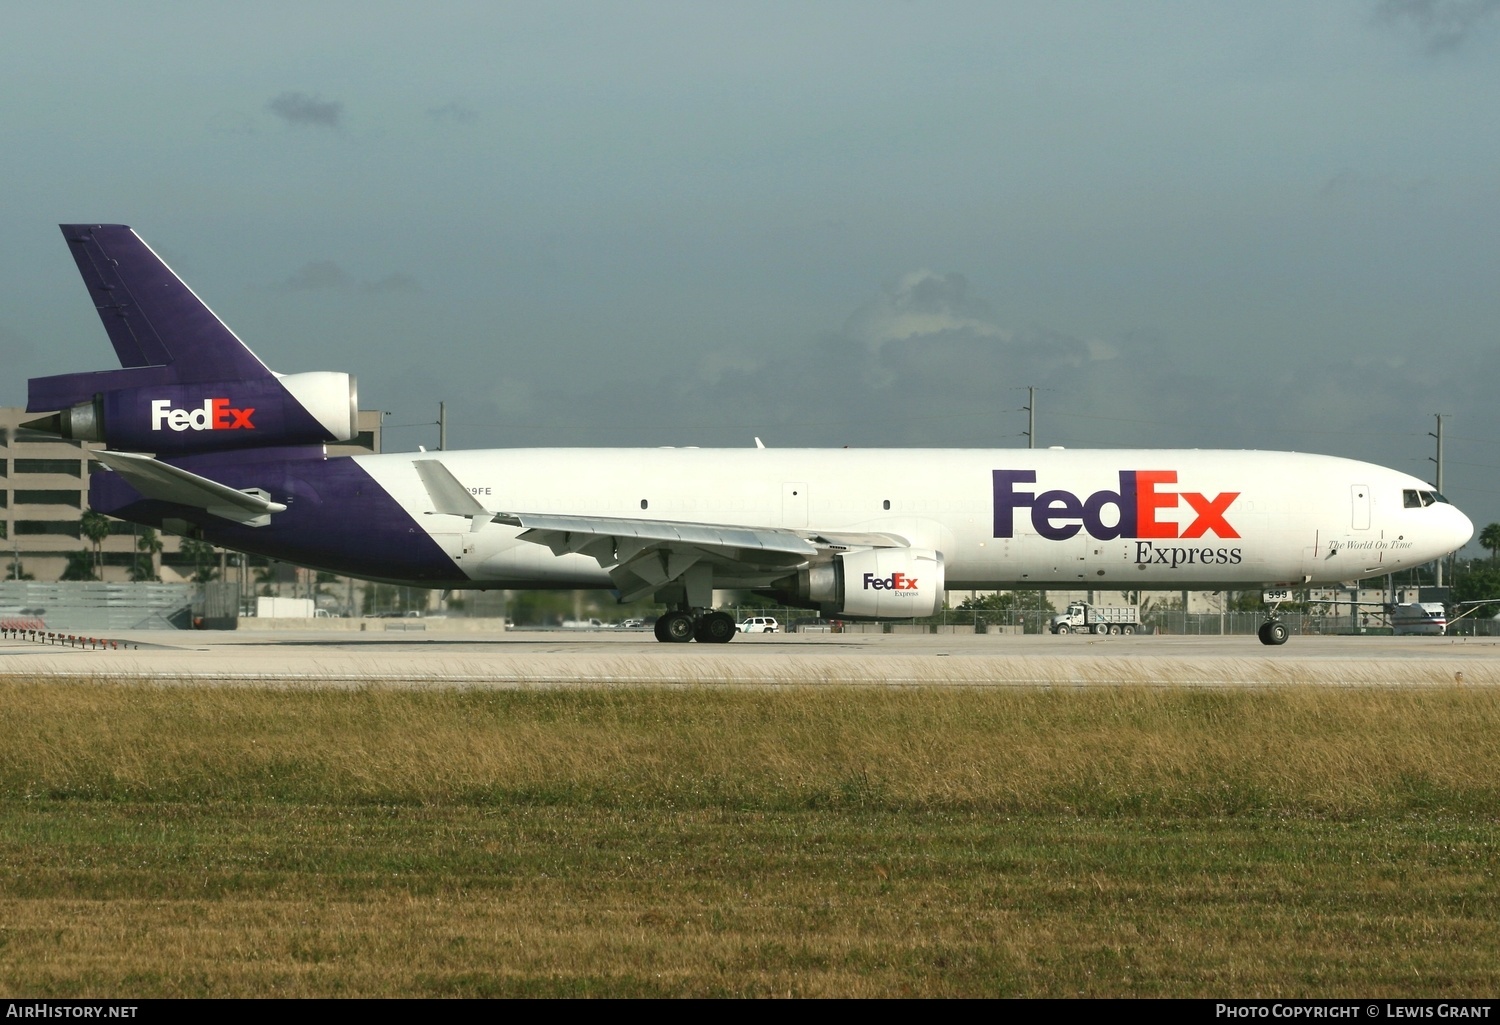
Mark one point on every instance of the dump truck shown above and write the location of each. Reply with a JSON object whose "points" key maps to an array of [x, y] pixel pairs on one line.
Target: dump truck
{"points": [[1081, 617]]}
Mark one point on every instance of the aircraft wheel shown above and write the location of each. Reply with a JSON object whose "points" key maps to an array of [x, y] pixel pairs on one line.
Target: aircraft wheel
{"points": [[678, 628], [715, 628], [660, 628], [1273, 633]]}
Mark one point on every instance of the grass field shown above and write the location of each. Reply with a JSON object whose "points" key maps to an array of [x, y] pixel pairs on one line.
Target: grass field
{"points": [[163, 841]]}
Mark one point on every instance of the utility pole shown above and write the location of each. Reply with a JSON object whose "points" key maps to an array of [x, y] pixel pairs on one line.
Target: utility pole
{"points": [[1438, 578]]}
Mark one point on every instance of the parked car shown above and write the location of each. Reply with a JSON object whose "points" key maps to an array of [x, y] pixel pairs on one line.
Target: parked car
{"points": [[759, 625]]}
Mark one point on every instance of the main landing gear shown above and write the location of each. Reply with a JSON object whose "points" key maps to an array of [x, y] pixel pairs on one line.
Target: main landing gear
{"points": [[681, 626]]}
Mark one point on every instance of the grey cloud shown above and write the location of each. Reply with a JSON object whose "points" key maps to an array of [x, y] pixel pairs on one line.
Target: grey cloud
{"points": [[922, 303], [452, 113], [1441, 25], [928, 319], [317, 276], [301, 109], [924, 363], [397, 282]]}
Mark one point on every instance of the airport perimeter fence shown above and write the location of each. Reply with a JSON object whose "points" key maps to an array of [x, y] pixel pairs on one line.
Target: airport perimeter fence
{"points": [[99, 608], [1372, 624], [947, 621], [1163, 622]]}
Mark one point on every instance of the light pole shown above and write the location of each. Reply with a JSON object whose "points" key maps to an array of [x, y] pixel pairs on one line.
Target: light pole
{"points": [[1438, 576]]}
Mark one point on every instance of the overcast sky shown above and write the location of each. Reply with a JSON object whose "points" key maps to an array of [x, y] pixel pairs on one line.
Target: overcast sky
{"points": [[1271, 225]]}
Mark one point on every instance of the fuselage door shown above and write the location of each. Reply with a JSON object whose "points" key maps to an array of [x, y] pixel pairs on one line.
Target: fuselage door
{"points": [[1359, 495], [459, 547]]}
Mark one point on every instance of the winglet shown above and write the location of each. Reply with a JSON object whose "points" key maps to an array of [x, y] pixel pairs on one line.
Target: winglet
{"points": [[449, 497]]}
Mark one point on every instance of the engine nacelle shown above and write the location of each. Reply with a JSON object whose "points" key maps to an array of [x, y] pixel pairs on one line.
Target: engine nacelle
{"points": [[879, 583], [298, 409]]}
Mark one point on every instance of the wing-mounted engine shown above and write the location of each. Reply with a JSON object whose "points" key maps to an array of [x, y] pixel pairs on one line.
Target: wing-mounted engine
{"points": [[211, 416], [876, 583]]}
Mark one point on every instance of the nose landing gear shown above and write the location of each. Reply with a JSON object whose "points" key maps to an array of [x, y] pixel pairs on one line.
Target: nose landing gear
{"points": [[1273, 632]]}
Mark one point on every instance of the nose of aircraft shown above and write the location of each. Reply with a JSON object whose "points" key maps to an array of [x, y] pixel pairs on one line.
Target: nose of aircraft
{"points": [[1462, 529]]}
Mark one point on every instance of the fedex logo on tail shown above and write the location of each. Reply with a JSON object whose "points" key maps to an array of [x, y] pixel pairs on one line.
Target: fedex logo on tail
{"points": [[1131, 512], [213, 415]]}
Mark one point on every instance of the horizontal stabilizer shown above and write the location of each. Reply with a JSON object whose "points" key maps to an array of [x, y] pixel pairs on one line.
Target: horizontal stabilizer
{"points": [[167, 483]]}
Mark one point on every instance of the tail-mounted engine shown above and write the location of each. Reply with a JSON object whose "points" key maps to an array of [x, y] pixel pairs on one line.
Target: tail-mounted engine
{"points": [[877, 583], [186, 383], [175, 419]]}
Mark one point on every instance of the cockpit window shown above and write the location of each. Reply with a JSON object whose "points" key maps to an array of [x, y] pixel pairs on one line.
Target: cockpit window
{"points": [[1412, 498]]}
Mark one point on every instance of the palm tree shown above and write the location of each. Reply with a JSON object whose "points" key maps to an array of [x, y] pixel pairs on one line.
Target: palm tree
{"points": [[80, 566], [202, 554], [1489, 538], [150, 547], [95, 527]]}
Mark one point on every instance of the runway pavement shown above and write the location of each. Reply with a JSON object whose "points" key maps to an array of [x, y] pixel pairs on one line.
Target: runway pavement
{"points": [[537, 659]]}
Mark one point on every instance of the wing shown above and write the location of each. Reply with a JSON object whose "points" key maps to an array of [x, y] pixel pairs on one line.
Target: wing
{"points": [[1474, 605], [642, 555], [1347, 601], [156, 479]]}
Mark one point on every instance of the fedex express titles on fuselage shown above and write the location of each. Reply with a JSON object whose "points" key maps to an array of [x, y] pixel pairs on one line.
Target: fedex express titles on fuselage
{"points": [[1131, 512]]}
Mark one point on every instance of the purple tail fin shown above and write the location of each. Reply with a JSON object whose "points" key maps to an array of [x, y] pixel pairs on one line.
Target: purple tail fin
{"points": [[149, 312], [188, 384]]}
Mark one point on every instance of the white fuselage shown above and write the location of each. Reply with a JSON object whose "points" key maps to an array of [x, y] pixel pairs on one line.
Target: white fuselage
{"points": [[1120, 519]]}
